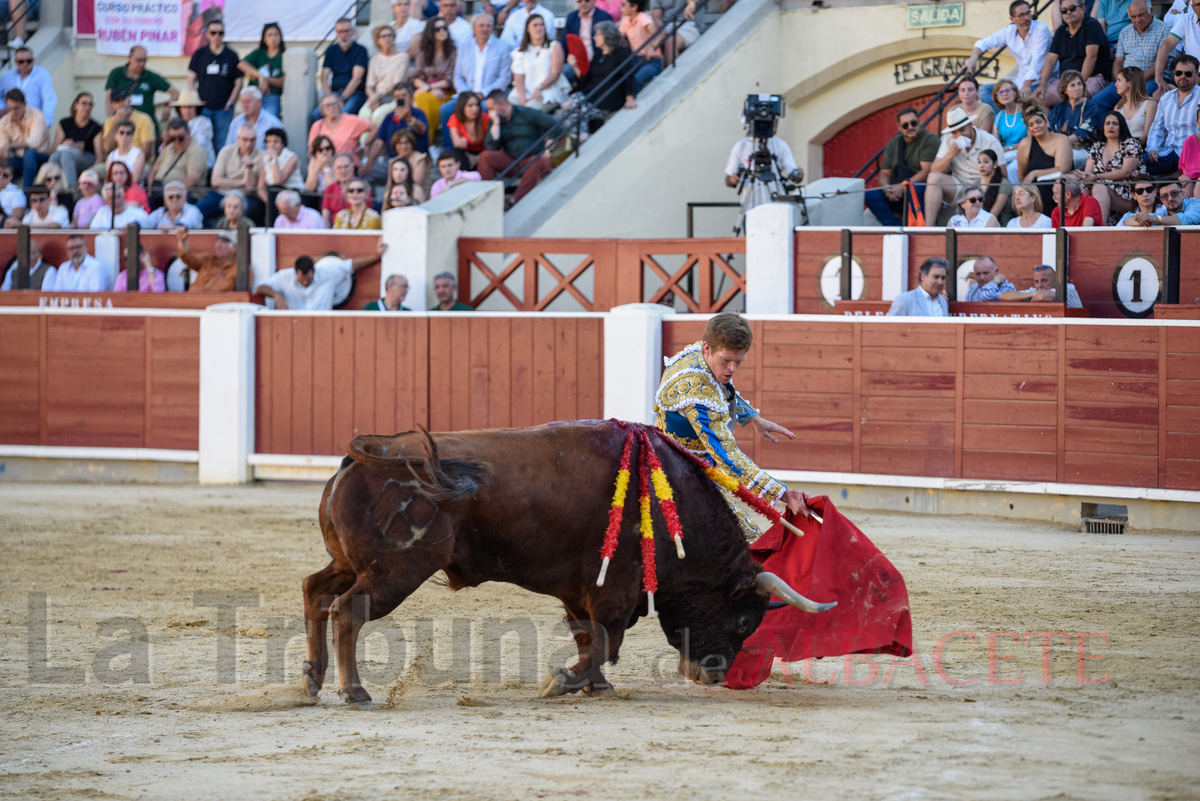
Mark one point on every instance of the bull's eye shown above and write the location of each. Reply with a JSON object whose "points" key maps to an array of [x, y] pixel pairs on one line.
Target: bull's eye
{"points": [[743, 624]]}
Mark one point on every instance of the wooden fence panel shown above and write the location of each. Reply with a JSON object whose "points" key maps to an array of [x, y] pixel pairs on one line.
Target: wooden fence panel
{"points": [[813, 250], [20, 379], [173, 377]]}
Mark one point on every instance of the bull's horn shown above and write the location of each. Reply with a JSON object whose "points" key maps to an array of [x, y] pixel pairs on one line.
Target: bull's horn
{"points": [[777, 586]]}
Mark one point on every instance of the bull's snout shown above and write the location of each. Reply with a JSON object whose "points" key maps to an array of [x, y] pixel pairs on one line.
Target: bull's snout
{"points": [[707, 671]]}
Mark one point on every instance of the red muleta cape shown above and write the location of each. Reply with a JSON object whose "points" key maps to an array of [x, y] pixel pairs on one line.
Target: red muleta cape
{"points": [[833, 561]]}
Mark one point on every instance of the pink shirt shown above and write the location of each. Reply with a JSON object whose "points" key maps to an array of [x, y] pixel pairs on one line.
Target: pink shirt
{"points": [[439, 185], [307, 218], [613, 7], [344, 136], [637, 29], [86, 209], [1189, 159], [146, 282]]}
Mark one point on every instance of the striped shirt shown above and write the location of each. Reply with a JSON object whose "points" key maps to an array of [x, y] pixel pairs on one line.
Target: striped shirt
{"points": [[1141, 49], [1173, 123]]}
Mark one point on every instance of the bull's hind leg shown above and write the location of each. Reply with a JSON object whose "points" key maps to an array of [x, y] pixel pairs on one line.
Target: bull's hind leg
{"points": [[320, 589], [598, 643]]}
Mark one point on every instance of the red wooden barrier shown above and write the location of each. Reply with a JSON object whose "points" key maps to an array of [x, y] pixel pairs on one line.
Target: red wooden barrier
{"points": [[125, 300], [322, 380], [1080, 404], [879, 308], [97, 381]]}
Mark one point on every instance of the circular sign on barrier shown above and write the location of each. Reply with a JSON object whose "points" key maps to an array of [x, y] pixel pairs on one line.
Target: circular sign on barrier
{"points": [[831, 279], [1137, 285]]}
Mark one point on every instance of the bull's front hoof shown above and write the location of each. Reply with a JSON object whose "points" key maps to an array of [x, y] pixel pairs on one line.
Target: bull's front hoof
{"points": [[557, 683], [599, 688], [312, 684], [359, 699]]}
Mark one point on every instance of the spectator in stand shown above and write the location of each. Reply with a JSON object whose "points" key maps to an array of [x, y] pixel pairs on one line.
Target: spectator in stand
{"points": [[42, 276], [1009, 125], [1082, 211], [263, 69], [41, 214], [309, 288], [33, 81], [238, 167], [358, 216], [997, 189], [78, 139], [143, 125], [175, 210], [344, 70], [445, 287], [968, 99], [342, 129], [114, 200], [1113, 16], [468, 127], [460, 28], [1027, 41], [233, 208], [1027, 202], [405, 116], [150, 278], [12, 199], [280, 168], [1042, 154], [1112, 163], [1137, 47], [1175, 209], [1076, 117], [80, 272], [515, 131], [1189, 162], [89, 201], [928, 299], [213, 72], [400, 173], [497, 71], [293, 214], [320, 165], [334, 199], [514, 23], [24, 137], [200, 128], [254, 115], [125, 151], [1145, 198], [215, 273], [689, 30], [51, 177], [182, 159], [582, 22], [395, 290], [386, 68], [1175, 119], [403, 142], [407, 27], [637, 27], [118, 173], [957, 162], [1186, 29], [141, 84], [1079, 44], [970, 201], [537, 70], [450, 166], [1044, 289], [988, 283], [398, 198], [611, 55], [1133, 103], [907, 157], [433, 70]]}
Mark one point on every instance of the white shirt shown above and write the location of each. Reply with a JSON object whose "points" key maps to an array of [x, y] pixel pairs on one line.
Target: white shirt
{"points": [[12, 198], [129, 159], [317, 296], [480, 63], [982, 219], [406, 32], [132, 214], [740, 156], [1187, 28], [1042, 222], [460, 31], [54, 214], [47, 280], [514, 26], [90, 277], [1029, 52], [965, 166]]}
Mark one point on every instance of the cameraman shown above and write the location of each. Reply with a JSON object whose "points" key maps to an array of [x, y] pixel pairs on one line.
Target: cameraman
{"points": [[770, 149]]}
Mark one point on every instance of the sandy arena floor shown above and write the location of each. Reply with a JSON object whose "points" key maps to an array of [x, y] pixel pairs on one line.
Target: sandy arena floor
{"points": [[202, 723]]}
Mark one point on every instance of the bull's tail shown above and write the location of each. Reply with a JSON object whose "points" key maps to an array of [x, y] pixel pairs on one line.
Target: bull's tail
{"points": [[440, 479]]}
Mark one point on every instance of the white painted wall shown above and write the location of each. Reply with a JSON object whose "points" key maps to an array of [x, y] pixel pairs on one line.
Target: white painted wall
{"points": [[226, 393], [633, 360]]}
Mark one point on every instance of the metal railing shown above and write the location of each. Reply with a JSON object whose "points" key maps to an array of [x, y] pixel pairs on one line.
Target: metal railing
{"points": [[353, 12], [9, 26], [940, 101]]}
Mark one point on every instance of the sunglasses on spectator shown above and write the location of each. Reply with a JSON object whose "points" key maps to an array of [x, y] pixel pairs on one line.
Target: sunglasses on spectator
{"points": [[174, 197], [1143, 190], [355, 190], [124, 132], [216, 33], [40, 199], [972, 200], [439, 28], [176, 139], [1184, 74], [24, 60], [907, 125], [324, 148], [1069, 9]]}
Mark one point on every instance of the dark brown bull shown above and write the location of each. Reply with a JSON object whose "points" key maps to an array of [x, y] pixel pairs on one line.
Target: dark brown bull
{"points": [[529, 506]]}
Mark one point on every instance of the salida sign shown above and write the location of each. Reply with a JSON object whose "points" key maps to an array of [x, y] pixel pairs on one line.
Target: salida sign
{"points": [[156, 25]]}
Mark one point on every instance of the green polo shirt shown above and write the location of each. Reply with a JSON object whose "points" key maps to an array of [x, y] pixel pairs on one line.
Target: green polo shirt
{"points": [[141, 90], [458, 306], [377, 306]]}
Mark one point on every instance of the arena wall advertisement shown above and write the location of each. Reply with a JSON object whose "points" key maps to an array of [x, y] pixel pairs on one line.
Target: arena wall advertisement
{"points": [[175, 28]]}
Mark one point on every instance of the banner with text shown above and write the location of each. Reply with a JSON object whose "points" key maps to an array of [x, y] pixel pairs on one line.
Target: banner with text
{"points": [[156, 25], [176, 27]]}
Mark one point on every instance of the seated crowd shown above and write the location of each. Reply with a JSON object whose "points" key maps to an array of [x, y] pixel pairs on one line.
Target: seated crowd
{"points": [[1090, 129], [928, 298]]}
